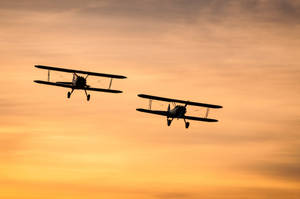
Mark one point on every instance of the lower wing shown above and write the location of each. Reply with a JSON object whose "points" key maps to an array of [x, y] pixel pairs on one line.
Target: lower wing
{"points": [[69, 85], [61, 84], [163, 113], [199, 119], [103, 90]]}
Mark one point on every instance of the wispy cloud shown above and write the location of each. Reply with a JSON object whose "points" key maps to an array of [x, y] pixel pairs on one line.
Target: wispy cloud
{"points": [[282, 164], [276, 11]]}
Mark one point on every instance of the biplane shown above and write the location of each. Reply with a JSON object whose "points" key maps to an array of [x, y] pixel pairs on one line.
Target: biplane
{"points": [[79, 82], [178, 111]]}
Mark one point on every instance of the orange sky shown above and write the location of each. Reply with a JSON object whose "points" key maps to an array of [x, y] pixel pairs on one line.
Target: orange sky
{"points": [[243, 55]]}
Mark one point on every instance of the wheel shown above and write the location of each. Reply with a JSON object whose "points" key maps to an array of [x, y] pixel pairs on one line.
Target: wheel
{"points": [[187, 125], [88, 97], [69, 94], [169, 122]]}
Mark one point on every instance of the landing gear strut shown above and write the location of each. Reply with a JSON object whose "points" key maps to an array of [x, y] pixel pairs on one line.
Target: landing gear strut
{"points": [[187, 124], [88, 96]]}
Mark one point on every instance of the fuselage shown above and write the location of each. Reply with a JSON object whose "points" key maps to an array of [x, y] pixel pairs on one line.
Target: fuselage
{"points": [[79, 82], [177, 112]]}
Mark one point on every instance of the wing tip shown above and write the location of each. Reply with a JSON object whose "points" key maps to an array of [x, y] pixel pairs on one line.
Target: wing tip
{"points": [[37, 81], [143, 95], [211, 120], [117, 76], [40, 66], [218, 106], [141, 110]]}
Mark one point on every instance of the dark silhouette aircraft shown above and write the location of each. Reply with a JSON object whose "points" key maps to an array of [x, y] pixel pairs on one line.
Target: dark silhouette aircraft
{"points": [[78, 82], [178, 111]]}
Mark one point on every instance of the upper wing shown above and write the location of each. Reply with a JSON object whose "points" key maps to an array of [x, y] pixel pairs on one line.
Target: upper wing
{"points": [[164, 113], [67, 85], [80, 71], [200, 119], [179, 101], [53, 83]]}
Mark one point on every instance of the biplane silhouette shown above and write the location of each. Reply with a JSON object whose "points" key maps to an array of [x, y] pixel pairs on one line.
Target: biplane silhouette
{"points": [[178, 111], [79, 82]]}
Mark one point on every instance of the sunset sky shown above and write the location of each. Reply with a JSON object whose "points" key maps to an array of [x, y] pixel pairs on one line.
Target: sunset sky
{"points": [[241, 54]]}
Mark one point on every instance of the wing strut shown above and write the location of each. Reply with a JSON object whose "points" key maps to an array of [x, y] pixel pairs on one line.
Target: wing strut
{"points": [[48, 75], [150, 103], [110, 83], [207, 110]]}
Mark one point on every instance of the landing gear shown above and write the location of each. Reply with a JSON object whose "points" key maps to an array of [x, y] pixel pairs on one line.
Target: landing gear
{"points": [[87, 96], [187, 124], [169, 122], [70, 93]]}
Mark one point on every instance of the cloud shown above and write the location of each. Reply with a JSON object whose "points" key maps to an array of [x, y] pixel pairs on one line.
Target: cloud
{"points": [[283, 165], [275, 11], [42, 6], [278, 11], [174, 195], [231, 193], [289, 171]]}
